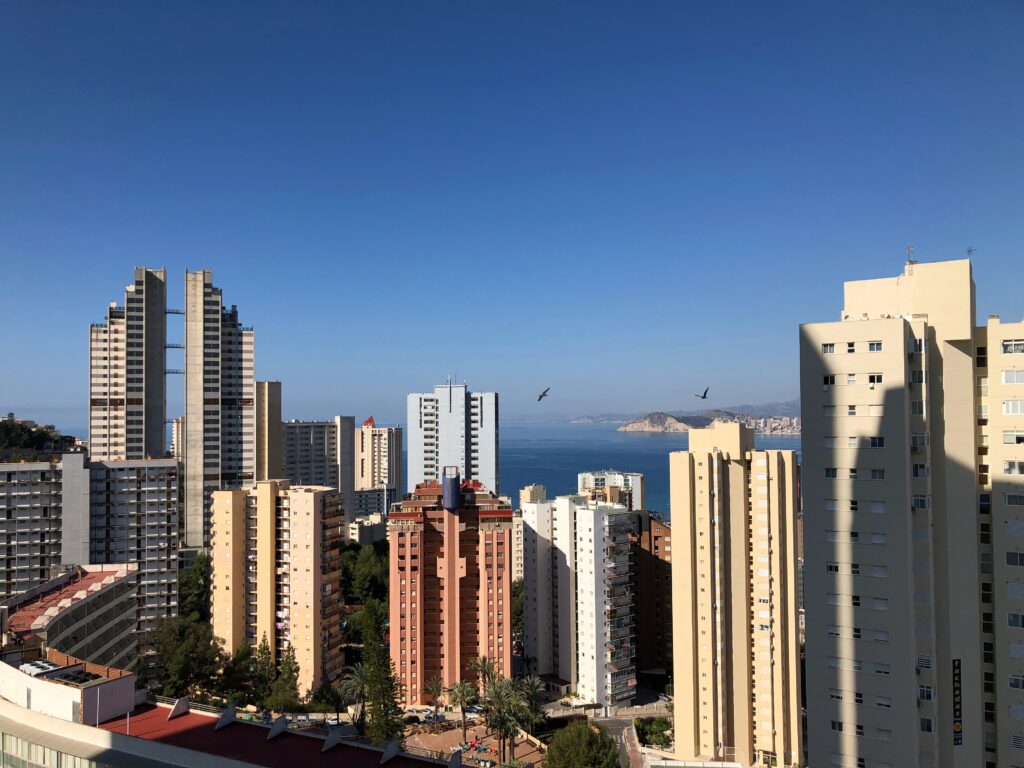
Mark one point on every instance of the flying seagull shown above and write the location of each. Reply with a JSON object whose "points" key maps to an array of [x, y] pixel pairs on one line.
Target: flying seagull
{"points": [[543, 394], [705, 395]]}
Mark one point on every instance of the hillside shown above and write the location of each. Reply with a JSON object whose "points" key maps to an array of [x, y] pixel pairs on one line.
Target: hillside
{"points": [[665, 422]]}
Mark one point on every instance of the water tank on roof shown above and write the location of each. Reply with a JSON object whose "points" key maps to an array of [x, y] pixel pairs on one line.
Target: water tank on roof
{"points": [[451, 498]]}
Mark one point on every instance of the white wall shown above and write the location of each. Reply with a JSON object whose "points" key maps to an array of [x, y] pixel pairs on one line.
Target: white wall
{"points": [[38, 694]]}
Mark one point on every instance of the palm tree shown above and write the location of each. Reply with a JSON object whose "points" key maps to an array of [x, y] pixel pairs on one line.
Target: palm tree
{"points": [[434, 688], [508, 709], [353, 688], [463, 694], [531, 687], [486, 670]]}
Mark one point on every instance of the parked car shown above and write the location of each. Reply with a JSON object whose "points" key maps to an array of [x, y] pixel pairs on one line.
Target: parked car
{"points": [[412, 719]]}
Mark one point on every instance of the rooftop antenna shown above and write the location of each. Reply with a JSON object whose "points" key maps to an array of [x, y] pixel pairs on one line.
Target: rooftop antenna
{"points": [[910, 252], [970, 251]]}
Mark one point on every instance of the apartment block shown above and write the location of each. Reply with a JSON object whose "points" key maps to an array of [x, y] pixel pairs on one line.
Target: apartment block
{"points": [[87, 611], [628, 487], [452, 426], [579, 597], [269, 460], [30, 524], [450, 583], [378, 457], [735, 639], [913, 603], [376, 501], [653, 552], [220, 392], [127, 373], [105, 513], [276, 557], [322, 453]]}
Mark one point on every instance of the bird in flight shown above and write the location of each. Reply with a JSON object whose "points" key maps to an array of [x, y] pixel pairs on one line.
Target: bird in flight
{"points": [[543, 394], [705, 395]]}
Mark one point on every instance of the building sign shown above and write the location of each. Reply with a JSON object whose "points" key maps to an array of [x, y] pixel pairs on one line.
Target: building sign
{"points": [[958, 722]]}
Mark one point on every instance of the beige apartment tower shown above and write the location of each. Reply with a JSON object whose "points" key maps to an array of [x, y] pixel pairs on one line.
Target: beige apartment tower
{"points": [[276, 556], [127, 373], [269, 462], [378, 457], [913, 448], [736, 665]]}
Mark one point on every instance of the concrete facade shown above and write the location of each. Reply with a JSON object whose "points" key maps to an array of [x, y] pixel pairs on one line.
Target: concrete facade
{"points": [[220, 420], [269, 461], [630, 485], [911, 637], [322, 453], [579, 599], [378, 457], [127, 373], [736, 667], [452, 426], [30, 523], [450, 583], [653, 549], [276, 556]]}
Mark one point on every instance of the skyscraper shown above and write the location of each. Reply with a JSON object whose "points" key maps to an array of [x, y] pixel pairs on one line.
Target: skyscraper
{"points": [[453, 427], [450, 584], [127, 373], [269, 462], [912, 525], [322, 453], [378, 457], [736, 667], [630, 486], [579, 596], [276, 557], [220, 395]]}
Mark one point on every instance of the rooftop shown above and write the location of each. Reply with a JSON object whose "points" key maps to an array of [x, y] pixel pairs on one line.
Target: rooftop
{"points": [[248, 742], [57, 595]]}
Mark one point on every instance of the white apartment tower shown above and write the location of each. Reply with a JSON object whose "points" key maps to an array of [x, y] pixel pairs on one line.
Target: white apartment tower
{"points": [[378, 457], [453, 427], [127, 373], [220, 414], [578, 582], [735, 638], [630, 484], [913, 443]]}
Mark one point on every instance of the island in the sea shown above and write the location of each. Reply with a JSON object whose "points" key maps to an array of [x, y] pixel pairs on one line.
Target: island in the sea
{"points": [[661, 422]]}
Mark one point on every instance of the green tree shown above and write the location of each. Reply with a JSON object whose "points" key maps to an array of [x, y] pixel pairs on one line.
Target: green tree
{"points": [[530, 689], [263, 673], [434, 688], [369, 576], [582, 745], [653, 731], [329, 696], [518, 611], [194, 590], [190, 655], [353, 688], [236, 676], [463, 694], [284, 693], [384, 716]]}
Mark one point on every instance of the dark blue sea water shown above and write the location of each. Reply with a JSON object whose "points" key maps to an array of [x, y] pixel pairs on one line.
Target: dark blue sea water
{"points": [[553, 454]]}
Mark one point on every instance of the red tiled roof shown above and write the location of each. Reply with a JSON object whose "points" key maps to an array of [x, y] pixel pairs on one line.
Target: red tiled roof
{"points": [[369, 422], [248, 742], [22, 619]]}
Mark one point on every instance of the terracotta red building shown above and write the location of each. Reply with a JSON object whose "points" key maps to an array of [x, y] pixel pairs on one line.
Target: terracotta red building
{"points": [[451, 583]]}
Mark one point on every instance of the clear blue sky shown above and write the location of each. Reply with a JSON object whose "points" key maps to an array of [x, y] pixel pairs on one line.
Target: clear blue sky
{"points": [[626, 202]]}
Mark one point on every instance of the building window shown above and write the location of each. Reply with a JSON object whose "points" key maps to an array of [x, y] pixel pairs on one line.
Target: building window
{"points": [[1015, 559], [1013, 499], [925, 693], [878, 474], [1013, 437], [1015, 620], [837, 726], [876, 442], [926, 724], [853, 473], [917, 407], [1013, 347], [1017, 681], [851, 410], [874, 378], [917, 376], [874, 346], [828, 349], [851, 378], [1013, 377], [851, 346], [1013, 467], [828, 380], [830, 473]]}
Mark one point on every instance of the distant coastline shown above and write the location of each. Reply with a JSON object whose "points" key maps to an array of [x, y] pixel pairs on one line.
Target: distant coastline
{"points": [[660, 422]]}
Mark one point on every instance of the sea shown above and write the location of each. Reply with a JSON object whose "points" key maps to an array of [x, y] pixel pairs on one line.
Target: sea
{"points": [[553, 454]]}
